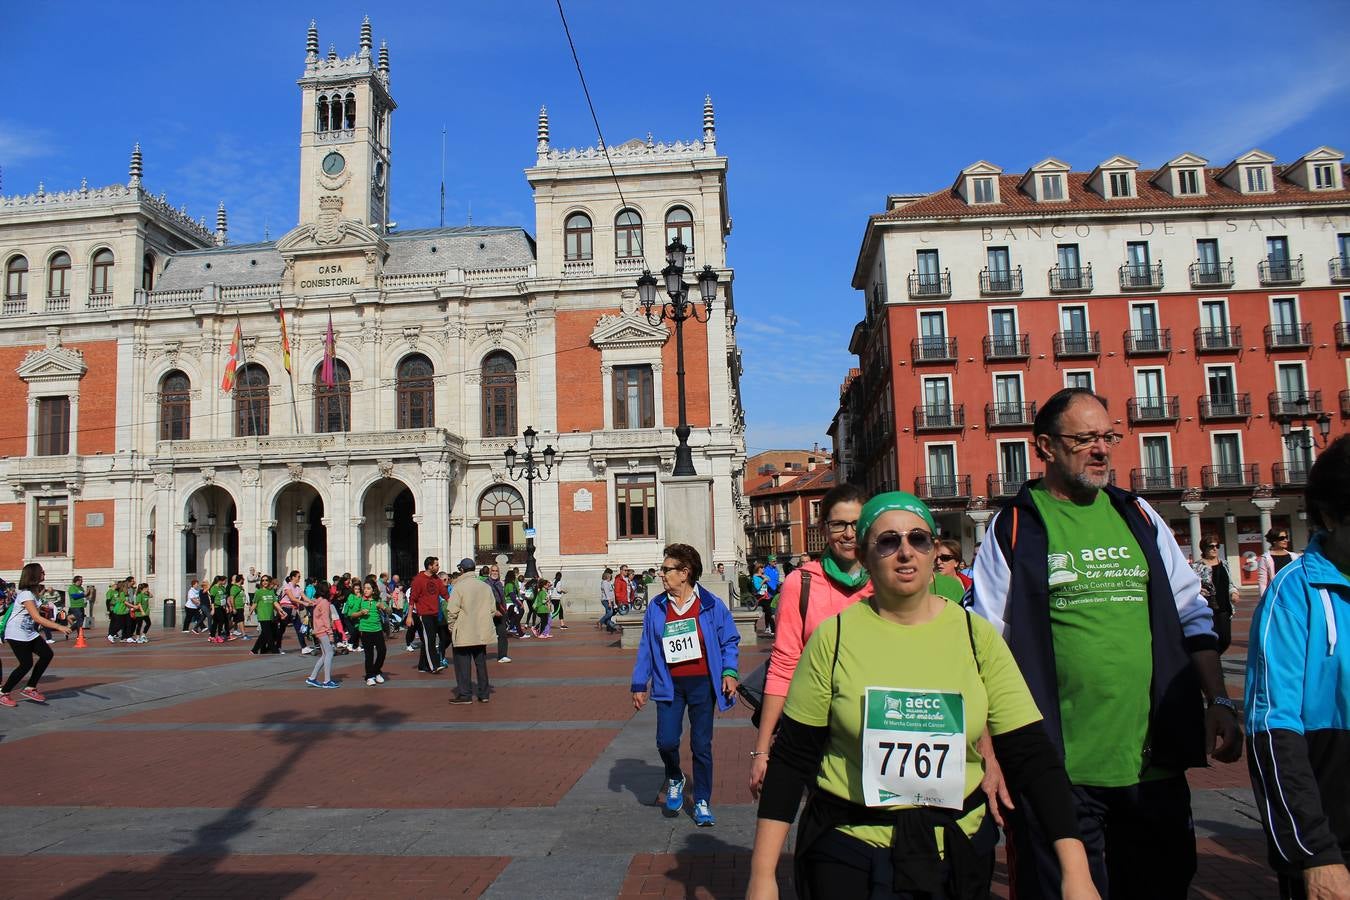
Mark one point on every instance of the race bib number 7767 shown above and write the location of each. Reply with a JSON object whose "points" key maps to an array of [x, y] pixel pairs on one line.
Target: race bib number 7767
{"points": [[914, 748]]}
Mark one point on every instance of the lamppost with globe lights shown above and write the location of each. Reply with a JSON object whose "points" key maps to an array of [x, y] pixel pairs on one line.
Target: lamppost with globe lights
{"points": [[678, 309], [1295, 428], [531, 471]]}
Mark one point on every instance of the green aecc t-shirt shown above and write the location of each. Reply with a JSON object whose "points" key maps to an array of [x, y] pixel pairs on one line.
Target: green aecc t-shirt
{"points": [[370, 621], [75, 597], [118, 600], [144, 601], [1099, 624], [265, 601]]}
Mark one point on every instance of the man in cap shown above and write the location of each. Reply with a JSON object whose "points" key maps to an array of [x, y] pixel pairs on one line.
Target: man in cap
{"points": [[468, 616]]}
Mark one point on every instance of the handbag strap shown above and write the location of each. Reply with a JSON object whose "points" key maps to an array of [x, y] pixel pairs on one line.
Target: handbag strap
{"points": [[804, 602]]}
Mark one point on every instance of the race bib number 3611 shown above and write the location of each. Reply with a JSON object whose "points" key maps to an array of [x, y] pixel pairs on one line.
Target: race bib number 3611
{"points": [[914, 748], [679, 641]]}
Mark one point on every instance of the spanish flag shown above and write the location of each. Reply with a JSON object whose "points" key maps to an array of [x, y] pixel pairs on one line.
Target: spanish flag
{"points": [[285, 341], [232, 363], [327, 374]]}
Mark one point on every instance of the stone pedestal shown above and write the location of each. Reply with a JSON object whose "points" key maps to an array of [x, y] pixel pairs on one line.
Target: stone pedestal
{"points": [[688, 516], [630, 628]]}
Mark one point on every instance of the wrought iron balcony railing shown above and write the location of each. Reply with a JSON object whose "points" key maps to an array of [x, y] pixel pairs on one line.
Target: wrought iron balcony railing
{"points": [[1148, 341], [1289, 336], [1077, 343], [942, 487], [1141, 276], [1294, 403], [1002, 414], [1225, 406], [1007, 346], [1153, 409], [1148, 480], [1211, 274], [930, 284], [1066, 280], [1001, 281], [933, 349], [1229, 477], [1274, 270], [940, 417], [1218, 339]]}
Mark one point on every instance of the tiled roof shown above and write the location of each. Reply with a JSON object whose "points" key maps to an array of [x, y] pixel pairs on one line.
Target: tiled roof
{"points": [[822, 479], [947, 203]]}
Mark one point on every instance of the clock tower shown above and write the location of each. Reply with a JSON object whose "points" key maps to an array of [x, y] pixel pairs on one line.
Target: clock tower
{"points": [[345, 113]]}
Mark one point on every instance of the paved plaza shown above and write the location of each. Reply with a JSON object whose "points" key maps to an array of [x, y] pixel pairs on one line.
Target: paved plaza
{"points": [[183, 769]]}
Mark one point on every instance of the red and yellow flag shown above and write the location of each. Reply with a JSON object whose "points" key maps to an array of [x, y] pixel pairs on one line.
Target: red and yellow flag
{"points": [[285, 341], [232, 363]]}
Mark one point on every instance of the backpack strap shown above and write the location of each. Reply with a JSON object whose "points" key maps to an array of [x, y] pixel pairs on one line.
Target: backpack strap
{"points": [[805, 601], [970, 633], [834, 664]]}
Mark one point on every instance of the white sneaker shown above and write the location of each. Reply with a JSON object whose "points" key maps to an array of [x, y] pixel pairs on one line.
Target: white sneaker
{"points": [[128, 640], [111, 639], [371, 681], [379, 679], [308, 651], [504, 659], [411, 649]]}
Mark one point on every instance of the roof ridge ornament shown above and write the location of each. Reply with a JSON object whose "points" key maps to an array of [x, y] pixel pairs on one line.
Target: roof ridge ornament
{"points": [[312, 42], [384, 59], [542, 132], [709, 121], [366, 41], [134, 171], [222, 226]]}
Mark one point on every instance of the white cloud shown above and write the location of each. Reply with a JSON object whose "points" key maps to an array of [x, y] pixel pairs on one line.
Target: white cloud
{"points": [[19, 142]]}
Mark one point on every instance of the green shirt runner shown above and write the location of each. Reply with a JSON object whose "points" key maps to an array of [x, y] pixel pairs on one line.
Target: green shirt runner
{"points": [[75, 598], [117, 602], [264, 603], [1099, 623], [143, 600], [368, 615]]}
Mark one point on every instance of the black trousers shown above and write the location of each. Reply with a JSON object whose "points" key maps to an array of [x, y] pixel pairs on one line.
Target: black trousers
{"points": [[429, 657], [500, 624], [119, 625], [220, 622], [466, 659], [373, 643], [838, 865], [24, 651], [1139, 840]]}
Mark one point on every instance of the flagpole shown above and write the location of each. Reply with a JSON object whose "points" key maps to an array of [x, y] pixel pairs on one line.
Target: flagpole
{"points": [[290, 369], [342, 407], [252, 409]]}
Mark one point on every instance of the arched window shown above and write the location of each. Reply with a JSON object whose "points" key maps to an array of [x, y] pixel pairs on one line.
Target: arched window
{"points": [[333, 405], [58, 275], [175, 407], [680, 224], [251, 406], [628, 235], [100, 278], [335, 112], [321, 107], [501, 521], [577, 237], [416, 393], [349, 122], [148, 272], [16, 279], [499, 395]]}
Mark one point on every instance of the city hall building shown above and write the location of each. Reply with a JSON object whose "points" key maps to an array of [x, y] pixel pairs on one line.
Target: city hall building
{"points": [[1208, 305], [123, 455]]}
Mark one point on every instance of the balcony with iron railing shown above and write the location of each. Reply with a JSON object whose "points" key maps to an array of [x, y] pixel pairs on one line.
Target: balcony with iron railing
{"points": [[1230, 478], [1343, 335], [1275, 270], [1211, 274], [940, 417], [1077, 343], [486, 554], [1153, 409], [1218, 339], [1065, 280], [930, 284], [1293, 474], [1006, 346], [1007, 484], [1141, 277], [1148, 341], [1289, 336], [932, 349], [1000, 281], [1284, 404], [939, 488], [1005, 414], [1225, 406], [1338, 267], [1156, 480], [1345, 403]]}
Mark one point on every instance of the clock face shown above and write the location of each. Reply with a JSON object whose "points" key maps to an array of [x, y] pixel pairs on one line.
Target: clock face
{"points": [[333, 164]]}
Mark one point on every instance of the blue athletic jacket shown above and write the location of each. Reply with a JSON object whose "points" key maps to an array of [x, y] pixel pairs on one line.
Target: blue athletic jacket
{"points": [[1298, 713], [721, 642]]}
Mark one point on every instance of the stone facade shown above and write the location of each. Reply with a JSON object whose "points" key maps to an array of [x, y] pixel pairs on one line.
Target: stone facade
{"points": [[447, 343]]}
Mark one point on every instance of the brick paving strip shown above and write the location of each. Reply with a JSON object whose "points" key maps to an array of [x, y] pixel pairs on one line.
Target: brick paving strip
{"points": [[494, 801]]}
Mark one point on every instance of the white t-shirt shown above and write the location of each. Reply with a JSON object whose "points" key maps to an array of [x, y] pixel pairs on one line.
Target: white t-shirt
{"points": [[194, 598], [21, 626]]}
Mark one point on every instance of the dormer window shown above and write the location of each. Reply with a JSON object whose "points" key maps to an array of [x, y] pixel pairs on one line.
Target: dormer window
{"points": [[1052, 187], [1255, 179], [1122, 184], [1324, 176], [978, 183], [983, 190], [1188, 182]]}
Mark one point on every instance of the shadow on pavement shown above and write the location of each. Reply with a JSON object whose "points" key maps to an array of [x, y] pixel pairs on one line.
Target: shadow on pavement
{"points": [[198, 869], [638, 777], [710, 867]]}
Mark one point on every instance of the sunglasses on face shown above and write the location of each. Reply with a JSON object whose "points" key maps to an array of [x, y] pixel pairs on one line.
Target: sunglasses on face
{"points": [[888, 542], [666, 570], [944, 557]]}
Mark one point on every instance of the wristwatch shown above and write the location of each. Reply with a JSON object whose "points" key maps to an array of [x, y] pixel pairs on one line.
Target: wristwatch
{"points": [[1225, 703]]}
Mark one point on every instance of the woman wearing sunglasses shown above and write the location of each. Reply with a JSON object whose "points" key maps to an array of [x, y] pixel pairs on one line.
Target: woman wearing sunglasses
{"points": [[882, 721], [1224, 598], [950, 563], [1276, 558]]}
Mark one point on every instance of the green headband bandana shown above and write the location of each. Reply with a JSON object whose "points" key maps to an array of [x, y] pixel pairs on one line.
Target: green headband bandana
{"points": [[881, 503]]}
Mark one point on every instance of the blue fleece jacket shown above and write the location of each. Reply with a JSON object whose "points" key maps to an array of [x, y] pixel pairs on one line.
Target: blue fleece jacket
{"points": [[721, 642]]}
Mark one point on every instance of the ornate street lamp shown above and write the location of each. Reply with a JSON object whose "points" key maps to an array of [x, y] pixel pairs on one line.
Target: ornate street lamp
{"points": [[531, 471], [1295, 428], [678, 309]]}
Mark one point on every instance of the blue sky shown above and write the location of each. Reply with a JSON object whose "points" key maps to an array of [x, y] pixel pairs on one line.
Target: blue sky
{"points": [[823, 109]]}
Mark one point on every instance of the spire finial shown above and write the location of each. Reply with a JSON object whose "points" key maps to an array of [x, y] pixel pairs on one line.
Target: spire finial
{"points": [[332, 52], [134, 170], [365, 37], [222, 226], [543, 131], [709, 121], [312, 42], [384, 58]]}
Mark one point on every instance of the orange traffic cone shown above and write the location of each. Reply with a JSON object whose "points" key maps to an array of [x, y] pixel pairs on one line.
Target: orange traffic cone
{"points": [[79, 639]]}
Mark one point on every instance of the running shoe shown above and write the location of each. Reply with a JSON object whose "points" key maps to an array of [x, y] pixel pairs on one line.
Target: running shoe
{"points": [[111, 639], [51, 640], [410, 648], [484, 699], [703, 816], [458, 700], [371, 681], [7, 700], [313, 683], [504, 659], [379, 679], [33, 694], [675, 794], [308, 651], [330, 684]]}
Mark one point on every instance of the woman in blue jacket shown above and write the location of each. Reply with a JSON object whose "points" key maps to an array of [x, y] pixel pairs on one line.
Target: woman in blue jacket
{"points": [[1298, 709], [688, 657]]}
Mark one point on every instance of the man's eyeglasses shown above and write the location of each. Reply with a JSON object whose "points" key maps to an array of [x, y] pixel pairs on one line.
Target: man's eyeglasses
{"points": [[839, 526], [944, 557], [1086, 439], [888, 542]]}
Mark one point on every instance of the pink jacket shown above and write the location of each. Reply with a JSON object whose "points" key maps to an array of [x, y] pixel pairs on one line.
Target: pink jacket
{"points": [[322, 619], [1265, 569], [827, 599]]}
